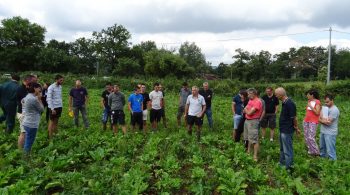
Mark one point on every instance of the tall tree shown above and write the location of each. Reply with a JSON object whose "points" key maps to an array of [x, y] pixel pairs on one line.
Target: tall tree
{"points": [[84, 49], [57, 57], [240, 69], [193, 55], [161, 63], [20, 43], [341, 64], [111, 44]]}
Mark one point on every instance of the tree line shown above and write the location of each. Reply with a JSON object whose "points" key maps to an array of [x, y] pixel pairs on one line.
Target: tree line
{"points": [[109, 51]]}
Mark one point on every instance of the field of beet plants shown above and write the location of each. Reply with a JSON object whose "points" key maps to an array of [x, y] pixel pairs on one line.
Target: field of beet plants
{"points": [[167, 161]]}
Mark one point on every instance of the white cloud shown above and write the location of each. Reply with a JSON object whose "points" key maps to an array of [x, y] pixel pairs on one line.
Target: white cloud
{"points": [[200, 21]]}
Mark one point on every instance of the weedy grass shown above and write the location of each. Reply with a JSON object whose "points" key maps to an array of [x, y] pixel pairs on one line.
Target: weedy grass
{"points": [[167, 161]]}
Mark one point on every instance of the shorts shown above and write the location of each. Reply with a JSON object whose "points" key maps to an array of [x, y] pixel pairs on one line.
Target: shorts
{"points": [[155, 115], [58, 113], [180, 112], [145, 115], [269, 121], [137, 117], [236, 120], [117, 117], [20, 117], [251, 130], [194, 120]]}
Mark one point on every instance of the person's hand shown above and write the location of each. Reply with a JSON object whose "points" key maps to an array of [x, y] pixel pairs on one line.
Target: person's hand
{"points": [[309, 106], [199, 115], [298, 131], [53, 112]]}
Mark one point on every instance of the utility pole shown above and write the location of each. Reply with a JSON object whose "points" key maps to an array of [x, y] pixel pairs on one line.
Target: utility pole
{"points": [[329, 56]]}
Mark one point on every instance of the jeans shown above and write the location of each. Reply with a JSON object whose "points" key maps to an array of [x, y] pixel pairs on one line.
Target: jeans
{"points": [[286, 149], [236, 120], [327, 146], [29, 138], [82, 109], [209, 116], [106, 114]]}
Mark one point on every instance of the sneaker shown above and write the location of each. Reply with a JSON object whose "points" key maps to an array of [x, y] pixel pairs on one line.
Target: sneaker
{"points": [[271, 140]]}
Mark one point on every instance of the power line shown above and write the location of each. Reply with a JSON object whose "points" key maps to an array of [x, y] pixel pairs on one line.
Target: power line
{"points": [[341, 32], [245, 38]]}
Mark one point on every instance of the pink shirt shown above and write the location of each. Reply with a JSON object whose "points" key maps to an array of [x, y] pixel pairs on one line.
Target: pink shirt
{"points": [[255, 103], [310, 116]]}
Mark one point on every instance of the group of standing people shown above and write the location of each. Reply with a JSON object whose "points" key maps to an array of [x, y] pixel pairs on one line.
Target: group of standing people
{"points": [[27, 101], [250, 113]]}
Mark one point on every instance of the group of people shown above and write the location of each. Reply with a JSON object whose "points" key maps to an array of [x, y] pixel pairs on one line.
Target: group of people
{"points": [[26, 101], [250, 113]]}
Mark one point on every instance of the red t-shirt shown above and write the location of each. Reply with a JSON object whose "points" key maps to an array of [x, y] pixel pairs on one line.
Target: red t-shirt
{"points": [[310, 116], [255, 103]]}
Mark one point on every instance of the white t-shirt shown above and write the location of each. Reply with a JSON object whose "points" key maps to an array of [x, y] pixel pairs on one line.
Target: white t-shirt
{"points": [[156, 98], [195, 104]]}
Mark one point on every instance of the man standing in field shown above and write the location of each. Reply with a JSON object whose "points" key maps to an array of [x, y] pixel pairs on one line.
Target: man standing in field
{"points": [[104, 103], [79, 97], [271, 108], [329, 128], [9, 102], [288, 123], [156, 98], [54, 101], [135, 105], [161, 89], [184, 93], [194, 110], [208, 95], [253, 113], [116, 101], [146, 102], [237, 111]]}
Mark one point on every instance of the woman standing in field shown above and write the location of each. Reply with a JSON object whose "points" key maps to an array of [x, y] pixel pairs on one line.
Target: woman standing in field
{"points": [[313, 110], [33, 107]]}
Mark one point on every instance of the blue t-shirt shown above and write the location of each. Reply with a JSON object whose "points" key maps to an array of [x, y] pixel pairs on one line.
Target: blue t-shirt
{"points": [[239, 104], [79, 96], [288, 113], [136, 102]]}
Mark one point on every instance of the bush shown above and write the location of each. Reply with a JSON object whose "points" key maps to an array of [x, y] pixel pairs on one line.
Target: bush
{"points": [[172, 84]]}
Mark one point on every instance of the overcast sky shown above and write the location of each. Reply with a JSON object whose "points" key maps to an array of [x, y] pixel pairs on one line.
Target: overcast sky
{"points": [[250, 24]]}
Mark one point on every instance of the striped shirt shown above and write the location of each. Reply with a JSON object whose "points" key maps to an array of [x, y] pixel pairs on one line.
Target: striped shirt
{"points": [[54, 96]]}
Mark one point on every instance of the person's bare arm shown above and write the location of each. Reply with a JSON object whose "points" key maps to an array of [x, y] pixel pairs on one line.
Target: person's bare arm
{"points": [[70, 102], [102, 102], [204, 107], [233, 107], [315, 110], [186, 110], [249, 111], [325, 121], [129, 106], [295, 123], [262, 114], [276, 109]]}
